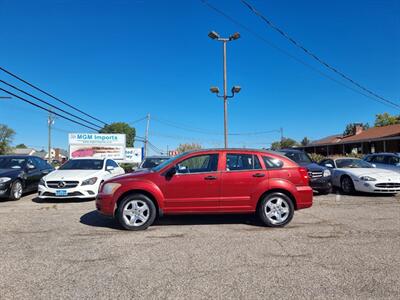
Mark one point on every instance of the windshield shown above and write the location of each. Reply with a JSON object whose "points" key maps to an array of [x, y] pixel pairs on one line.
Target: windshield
{"points": [[83, 164], [352, 163], [167, 162], [299, 157], [153, 162], [12, 163]]}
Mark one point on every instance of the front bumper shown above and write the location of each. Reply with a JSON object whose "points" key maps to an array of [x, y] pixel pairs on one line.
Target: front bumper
{"points": [[5, 189], [80, 192], [321, 184], [370, 187]]}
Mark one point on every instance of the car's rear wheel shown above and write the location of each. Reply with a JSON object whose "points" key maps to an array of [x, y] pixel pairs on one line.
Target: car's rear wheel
{"points": [[276, 210], [136, 212], [347, 185], [16, 190]]}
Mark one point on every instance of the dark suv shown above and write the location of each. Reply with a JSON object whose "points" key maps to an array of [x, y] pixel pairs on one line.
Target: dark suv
{"points": [[320, 177]]}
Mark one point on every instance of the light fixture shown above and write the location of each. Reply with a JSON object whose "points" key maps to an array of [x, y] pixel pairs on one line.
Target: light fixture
{"points": [[213, 35], [214, 90]]}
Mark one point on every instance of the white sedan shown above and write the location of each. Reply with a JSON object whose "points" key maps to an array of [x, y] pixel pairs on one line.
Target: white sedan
{"points": [[78, 178], [353, 174]]}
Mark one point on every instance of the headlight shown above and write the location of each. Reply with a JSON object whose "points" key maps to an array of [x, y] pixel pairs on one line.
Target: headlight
{"points": [[327, 173], [367, 178], [110, 188], [41, 182], [89, 181], [4, 179]]}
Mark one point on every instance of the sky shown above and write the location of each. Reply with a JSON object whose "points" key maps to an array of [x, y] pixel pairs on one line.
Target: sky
{"points": [[121, 60]]}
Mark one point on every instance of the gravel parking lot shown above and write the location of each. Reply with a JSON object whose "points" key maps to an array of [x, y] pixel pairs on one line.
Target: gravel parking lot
{"points": [[343, 247]]}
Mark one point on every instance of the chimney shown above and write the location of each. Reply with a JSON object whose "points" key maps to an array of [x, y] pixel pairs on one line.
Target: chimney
{"points": [[358, 128]]}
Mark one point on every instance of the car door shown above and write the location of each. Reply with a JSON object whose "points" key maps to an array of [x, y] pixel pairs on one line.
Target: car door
{"points": [[196, 186], [33, 174], [242, 174], [44, 167]]}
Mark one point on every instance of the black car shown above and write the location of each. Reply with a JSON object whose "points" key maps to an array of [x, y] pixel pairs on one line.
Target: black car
{"points": [[320, 177], [151, 162], [20, 174]]}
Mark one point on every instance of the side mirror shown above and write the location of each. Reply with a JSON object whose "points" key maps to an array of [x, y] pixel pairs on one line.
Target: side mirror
{"points": [[373, 165], [329, 166], [109, 168], [171, 172]]}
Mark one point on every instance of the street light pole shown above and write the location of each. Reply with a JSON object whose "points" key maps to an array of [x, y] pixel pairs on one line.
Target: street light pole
{"points": [[236, 89]]}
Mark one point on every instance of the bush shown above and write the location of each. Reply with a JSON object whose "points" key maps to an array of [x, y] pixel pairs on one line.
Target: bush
{"points": [[316, 157]]}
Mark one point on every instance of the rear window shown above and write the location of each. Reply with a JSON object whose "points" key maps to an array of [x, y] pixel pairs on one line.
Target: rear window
{"points": [[272, 163]]}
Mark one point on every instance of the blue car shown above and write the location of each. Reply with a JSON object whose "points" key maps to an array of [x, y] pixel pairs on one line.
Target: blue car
{"points": [[320, 177]]}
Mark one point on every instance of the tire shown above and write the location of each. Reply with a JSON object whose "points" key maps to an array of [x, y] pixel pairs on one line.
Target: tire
{"points": [[16, 190], [347, 185], [136, 212], [276, 210]]}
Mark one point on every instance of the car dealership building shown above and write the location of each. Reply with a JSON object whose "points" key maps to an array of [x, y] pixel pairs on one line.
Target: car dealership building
{"points": [[372, 140]]}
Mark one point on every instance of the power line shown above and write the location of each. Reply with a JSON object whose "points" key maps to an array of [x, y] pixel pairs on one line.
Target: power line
{"points": [[138, 120], [288, 54], [313, 55], [49, 104], [50, 95], [48, 110]]}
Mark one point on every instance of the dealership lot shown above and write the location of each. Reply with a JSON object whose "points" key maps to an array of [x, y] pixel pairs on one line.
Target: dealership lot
{"points": [[342, 247]]}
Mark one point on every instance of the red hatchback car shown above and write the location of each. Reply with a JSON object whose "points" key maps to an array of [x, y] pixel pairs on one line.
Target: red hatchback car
{"points": [[209, 181]]}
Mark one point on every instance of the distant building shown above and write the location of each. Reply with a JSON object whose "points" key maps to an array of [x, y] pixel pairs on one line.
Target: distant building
{"points": [[23, 151], [375, 139]]}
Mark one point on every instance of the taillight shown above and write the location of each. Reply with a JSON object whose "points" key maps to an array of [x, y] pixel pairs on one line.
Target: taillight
{"points": [[304, 175]]}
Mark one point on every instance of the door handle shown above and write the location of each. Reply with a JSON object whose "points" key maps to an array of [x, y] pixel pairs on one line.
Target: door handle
{"points": [[259, 175], [210, 177]]}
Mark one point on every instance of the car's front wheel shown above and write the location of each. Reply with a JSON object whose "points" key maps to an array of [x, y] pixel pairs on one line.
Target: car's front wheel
{"points": [[347, 185], [276, 210], [16, 190], [136, 212]]}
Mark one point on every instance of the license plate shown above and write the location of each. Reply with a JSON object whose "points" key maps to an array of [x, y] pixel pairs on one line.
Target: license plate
{"points": [[61, 192]]}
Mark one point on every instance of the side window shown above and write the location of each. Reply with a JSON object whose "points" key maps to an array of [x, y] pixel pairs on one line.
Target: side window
{"points": [[379, 159], [32, 161], [369, 158], [198, 164], [42, 164], [111, 163], [272, 163], [114, 164], [236, 162], [328, 163], [392, 160]]}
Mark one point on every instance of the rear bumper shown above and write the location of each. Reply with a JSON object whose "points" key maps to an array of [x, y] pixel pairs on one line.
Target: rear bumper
{"points": [[105, 205], [304, 197]]}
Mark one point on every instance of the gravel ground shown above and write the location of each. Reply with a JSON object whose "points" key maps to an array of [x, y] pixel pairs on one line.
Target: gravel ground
{"points": [[342, 247]]}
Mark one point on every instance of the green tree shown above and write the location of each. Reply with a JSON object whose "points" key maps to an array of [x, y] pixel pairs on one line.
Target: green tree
{"points": [[386, 119], [121, 127], [305, 141], [6, 137], [349, 130], [285, 143], [21, 146], [187, 147]]}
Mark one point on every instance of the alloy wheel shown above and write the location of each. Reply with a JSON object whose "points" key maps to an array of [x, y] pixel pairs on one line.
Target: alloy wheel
{"points": [[347, 185], [17, 190], [136, 213], [277, 210]]}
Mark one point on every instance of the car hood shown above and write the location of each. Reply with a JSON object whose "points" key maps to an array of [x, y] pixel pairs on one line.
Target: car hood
{"points": [[72, 174], [12, 173], [374, 172], [313, 167], [133, 175]]}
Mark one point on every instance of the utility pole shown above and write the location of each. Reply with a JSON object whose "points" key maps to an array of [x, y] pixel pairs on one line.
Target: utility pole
{"points": [[236, 89], [146, 136], [281, 130], [50, 122]]}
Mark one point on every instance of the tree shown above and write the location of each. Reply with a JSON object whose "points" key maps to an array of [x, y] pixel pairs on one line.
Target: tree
{"points": [[21, 146], [121, 127], [187, 147], [350, 128], [305, 141], [386, 119], [285, 143], [6, 137]]}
